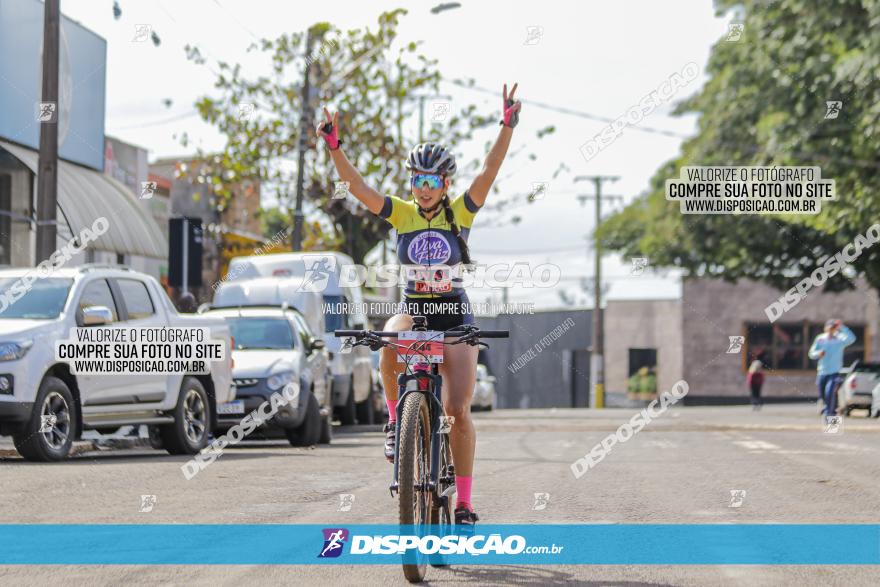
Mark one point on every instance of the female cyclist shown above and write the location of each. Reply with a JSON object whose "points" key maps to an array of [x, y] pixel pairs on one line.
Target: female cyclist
{"points": [[432, 230]]}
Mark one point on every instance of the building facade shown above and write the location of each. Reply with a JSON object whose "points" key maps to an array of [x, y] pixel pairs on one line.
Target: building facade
{"points": [[710, 336]]}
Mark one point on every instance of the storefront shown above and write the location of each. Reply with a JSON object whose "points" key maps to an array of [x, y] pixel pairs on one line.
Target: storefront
{"points": [[84, 192], [709, 336]]}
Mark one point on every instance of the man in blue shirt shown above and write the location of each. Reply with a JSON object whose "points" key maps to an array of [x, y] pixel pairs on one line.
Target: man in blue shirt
{"points": [[828, 349]]}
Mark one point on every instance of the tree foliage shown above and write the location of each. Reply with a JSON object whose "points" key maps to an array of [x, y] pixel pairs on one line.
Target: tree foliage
{"points": [[765, 104], [374, 94]]}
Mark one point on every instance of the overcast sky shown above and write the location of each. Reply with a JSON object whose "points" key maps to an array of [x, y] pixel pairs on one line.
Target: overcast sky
{"points": [[598, 58]]}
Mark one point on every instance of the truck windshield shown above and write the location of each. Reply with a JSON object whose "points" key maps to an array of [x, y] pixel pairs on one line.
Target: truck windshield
{"points": [[43, 300], [334, 318], [261, 333]]}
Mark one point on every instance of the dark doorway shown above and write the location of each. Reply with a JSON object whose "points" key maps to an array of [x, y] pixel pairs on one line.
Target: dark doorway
{"points": [[639, 358], [5, 219]]}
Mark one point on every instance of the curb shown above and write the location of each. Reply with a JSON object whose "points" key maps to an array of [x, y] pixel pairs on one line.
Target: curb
{"points": [[78, 447]]}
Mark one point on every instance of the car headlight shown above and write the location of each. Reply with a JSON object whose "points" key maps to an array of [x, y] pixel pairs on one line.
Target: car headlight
{"points": [[12, 351], [279, 380]]}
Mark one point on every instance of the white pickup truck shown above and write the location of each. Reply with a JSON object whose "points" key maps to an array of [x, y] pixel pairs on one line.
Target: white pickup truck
{"points": [[44, 406]]}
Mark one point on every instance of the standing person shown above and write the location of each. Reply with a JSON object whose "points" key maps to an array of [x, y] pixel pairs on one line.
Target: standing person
{"points": [[432, 229], [755, 381], [828, 350]]}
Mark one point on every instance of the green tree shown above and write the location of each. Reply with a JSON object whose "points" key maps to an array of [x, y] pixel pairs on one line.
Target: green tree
{"points": [[765, 104], [374, 95]]}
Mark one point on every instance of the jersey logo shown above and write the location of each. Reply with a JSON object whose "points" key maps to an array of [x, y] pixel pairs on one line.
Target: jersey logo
{"points": [[429, 248]]}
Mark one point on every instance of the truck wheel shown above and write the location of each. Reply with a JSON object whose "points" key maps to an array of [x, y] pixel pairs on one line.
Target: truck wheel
{"points": [[326, 430], [309, 432], [366, 409], [189, 432], [347, 413], [51, 441]]}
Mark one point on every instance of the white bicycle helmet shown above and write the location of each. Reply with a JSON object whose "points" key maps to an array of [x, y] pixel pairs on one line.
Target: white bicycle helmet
{"points": [[431, 158]]}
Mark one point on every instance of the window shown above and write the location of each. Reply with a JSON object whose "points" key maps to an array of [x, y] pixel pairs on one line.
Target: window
{"points": [[97, 293], [252, 333], [5, 219], [137, 299], [43, 301], [334, 317], [639, 358], [304, 333], [789, 351], [785, 346]]}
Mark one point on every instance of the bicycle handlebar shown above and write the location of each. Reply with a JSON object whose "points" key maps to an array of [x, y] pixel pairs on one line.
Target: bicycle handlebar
{"points": [[382, 334]]}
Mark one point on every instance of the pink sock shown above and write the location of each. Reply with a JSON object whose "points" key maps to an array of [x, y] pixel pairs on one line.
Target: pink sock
{"points": [[392, 409], [463, 491]]}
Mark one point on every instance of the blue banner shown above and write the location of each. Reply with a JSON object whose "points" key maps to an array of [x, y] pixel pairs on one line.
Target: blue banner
{"points": [[281, 544]]}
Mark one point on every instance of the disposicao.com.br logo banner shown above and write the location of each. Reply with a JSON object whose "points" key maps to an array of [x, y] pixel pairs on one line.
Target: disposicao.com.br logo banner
{"points": [[556, 544]]}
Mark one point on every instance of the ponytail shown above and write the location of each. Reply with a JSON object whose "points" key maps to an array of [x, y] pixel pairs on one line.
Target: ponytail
{"points": [[450, 218]]}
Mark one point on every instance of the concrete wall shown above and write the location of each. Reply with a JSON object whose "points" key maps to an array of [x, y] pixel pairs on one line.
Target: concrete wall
{"points": [[547, 379], [713, 310], [642, 324]]}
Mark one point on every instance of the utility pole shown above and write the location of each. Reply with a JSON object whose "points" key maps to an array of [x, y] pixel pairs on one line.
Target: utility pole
{"points": [[47, 170], [305, 122], [597, 352]]}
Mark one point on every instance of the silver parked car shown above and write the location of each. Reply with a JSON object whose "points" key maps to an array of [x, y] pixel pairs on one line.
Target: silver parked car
{"points": [[275, 347], [858, 385], [484, 390]]}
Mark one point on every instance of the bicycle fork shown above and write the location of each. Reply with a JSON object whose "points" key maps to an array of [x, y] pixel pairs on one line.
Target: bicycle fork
{"points": [[422, 380]]}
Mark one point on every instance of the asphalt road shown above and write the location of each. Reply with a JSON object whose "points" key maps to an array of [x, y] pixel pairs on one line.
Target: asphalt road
{"points": [[681, 468]]}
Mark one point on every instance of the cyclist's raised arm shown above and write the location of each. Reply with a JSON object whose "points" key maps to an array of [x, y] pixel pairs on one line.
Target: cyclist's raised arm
{"points": [[328, 130], [480, 187]]}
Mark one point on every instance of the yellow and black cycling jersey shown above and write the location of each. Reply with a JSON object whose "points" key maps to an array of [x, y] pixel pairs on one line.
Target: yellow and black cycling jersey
{"points": [[423, 244]]}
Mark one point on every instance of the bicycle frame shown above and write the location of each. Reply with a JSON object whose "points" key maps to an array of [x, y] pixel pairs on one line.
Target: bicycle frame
{"points": [[424, 378]]}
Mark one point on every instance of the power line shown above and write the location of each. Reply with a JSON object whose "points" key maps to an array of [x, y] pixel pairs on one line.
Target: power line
{"points": [[579, 247], [571, 112], [158, 122]]}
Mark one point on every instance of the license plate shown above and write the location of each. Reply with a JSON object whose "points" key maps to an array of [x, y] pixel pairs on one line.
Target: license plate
{"points": [[233, 407], [420, 347]]}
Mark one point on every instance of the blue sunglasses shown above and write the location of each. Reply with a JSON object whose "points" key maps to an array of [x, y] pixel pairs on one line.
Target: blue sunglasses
{"points": [[433, 180]]}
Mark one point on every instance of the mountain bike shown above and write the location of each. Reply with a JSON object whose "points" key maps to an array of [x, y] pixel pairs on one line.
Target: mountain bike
{"points": [[424, 474]]}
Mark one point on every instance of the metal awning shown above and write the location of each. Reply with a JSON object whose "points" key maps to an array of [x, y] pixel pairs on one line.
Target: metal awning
{"points": [[84, 195]]}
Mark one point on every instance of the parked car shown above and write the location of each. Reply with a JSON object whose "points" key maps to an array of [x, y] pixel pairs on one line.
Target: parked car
{"points": [[856, 391], [342, 307], [273, 347], [875, 401], [33, 384], [484, 390], [271, 291]]}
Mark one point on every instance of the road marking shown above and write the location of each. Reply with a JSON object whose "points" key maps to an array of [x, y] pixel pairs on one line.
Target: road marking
{"points": [[756, 445], [847, 446], [805, 452], [661, 444]]}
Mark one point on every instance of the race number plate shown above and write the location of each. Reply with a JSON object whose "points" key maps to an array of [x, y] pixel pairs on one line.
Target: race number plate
{"points": [[420, 347]]}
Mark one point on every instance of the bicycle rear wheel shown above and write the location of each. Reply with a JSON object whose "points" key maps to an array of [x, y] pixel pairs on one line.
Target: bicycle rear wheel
{"points": [[413, 471]]}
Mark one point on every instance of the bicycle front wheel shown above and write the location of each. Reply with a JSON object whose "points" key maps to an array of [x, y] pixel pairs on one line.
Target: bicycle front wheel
{"points": [[413, 471], [443, 499]]}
